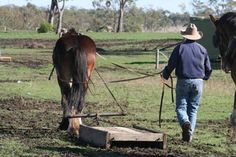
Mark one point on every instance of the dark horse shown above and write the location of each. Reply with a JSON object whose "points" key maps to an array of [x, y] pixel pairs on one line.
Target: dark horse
{"points": [[74, 60], [225, 39]]}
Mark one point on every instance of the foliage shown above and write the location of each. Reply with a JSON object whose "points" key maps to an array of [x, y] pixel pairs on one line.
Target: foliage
{"points": [[45, 27], [21, 18], [218, 7], [95, 20], [121, 13]]}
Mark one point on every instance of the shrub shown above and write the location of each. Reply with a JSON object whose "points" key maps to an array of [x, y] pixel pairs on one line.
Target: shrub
{"points": [[45, 27]]}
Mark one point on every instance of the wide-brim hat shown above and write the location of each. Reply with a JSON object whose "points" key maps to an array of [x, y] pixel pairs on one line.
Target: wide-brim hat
{"points": [[191, 32]]}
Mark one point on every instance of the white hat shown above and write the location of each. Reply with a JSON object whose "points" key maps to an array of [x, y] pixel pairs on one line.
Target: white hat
{"points": [[191, 32]]}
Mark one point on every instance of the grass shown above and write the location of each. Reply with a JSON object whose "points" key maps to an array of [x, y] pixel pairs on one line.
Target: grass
{"points": [[134, 36], [12, 147], [140, 98]]}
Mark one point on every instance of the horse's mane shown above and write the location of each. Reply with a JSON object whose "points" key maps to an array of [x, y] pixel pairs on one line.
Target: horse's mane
{"points": [[72, 31]]}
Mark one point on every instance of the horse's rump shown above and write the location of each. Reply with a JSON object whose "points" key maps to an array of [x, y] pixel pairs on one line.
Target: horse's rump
{"points": [[74, 60]]}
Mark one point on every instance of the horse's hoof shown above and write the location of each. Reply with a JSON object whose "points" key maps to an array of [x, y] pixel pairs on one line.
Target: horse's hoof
{"points": [[233, 119], [64, 124]]}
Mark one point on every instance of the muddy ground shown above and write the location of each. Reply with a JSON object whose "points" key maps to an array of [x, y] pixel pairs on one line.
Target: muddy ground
{"points": [[34, 123], [30, 121]]}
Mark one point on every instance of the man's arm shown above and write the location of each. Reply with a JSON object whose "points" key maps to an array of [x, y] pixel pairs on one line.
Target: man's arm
{"points": [[172, 63]]}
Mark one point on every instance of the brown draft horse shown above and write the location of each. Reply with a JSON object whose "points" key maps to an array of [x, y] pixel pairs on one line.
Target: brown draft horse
{"points": [[74, 60], [225, 39]]}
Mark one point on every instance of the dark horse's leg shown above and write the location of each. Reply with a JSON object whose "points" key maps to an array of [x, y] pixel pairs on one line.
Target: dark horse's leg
{"points": [[228, 59], [233, 115], [65, 91]]}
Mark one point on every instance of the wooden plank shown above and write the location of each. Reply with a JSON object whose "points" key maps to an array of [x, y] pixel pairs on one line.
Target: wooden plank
{"points": [[107, 136], [163, 144], [5, 59], [94, 136]]}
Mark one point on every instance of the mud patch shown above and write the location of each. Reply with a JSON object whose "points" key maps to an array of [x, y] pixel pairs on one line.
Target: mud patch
{"points": [[31, 62], [20, 103]]}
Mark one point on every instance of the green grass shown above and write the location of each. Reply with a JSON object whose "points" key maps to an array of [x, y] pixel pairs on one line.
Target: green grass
{"points": [[134, 36], [27, 35], [94, 35], [12, 147]]}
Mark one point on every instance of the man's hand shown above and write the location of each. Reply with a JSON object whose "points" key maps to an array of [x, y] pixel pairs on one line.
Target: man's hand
{"points": [[163, 80]]}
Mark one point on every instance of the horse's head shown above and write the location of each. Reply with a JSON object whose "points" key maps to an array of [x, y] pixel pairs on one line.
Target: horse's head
{"points": [[220, 39]]}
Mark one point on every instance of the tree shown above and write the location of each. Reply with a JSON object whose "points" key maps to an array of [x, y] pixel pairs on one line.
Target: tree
{"points": [[122, 4], [218, 7], [201, 8], [134, 19], [55, 9], [222, 6]]}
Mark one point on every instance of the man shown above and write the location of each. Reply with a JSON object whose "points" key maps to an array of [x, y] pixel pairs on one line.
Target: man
{"points": [[192, 65]]}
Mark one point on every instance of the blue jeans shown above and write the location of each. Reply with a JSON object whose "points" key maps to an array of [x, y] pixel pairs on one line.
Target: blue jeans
{"points": [[188, 94]]}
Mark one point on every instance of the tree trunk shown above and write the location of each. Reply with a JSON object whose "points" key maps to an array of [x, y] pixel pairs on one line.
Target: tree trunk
{"points": [[52, 12], [121, 16], [60, 12], [59, 24]]}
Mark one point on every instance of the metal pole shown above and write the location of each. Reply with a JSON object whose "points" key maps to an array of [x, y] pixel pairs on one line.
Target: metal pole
{"points": [[157, 59], [97, 115]]}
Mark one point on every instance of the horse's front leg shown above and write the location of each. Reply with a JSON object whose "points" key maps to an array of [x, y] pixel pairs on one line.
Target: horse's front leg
{"points": [[233, 116]]}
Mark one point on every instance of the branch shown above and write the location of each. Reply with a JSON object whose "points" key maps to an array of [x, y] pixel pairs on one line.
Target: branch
{"points": [[63, 5]]}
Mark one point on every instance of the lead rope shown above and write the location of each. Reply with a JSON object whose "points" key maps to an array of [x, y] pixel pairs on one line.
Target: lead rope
{"points": [[172, 89], [162, 96], [161, 103]]}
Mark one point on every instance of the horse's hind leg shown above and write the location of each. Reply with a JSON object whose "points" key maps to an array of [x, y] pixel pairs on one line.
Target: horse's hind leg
{"points": [[65, 91]]}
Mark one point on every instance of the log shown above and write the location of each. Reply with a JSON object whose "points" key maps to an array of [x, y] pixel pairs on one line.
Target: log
{"points": [[5, 59]]}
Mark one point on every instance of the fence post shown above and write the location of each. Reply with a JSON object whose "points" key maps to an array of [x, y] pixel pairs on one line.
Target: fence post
{"points": [[157, 58]]}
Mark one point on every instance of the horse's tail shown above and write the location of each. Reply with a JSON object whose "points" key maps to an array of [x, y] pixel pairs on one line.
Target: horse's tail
{"points": [[80, 82]]}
